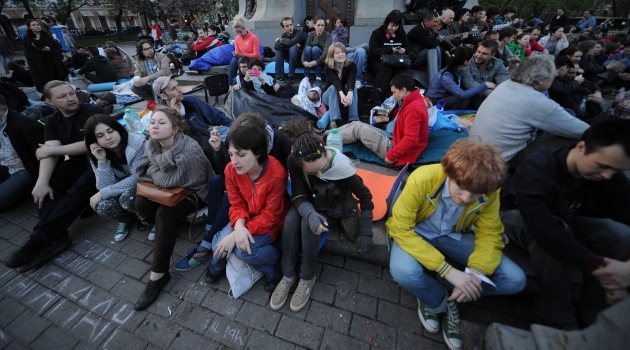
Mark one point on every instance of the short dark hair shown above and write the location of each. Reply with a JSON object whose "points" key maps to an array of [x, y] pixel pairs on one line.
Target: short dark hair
{"points": [[562, 61], [244, 59], [476, 9], [429, 15], [403, 80], [509, 8], [93, 50], [256, 62], [395, 16], [507, 32], [285, 19], [490, 44], [492, 11], [79, 46], [460, 13], [3, 104], [608, 132], [249, 137], [491, 32]]}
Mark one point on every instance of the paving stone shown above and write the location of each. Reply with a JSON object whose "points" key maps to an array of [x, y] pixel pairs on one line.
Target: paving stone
{"points": [[379, 288], [398, 316], [496, 303], [40, 299], [469, 312], [329, 317], [16, 217], [506, 320], [299, 332], [9, 230], [92, 329], [73, 287], [334, 340], [333, 275], [330, 259], [324, 293], [365, 268], [408, 340], [378, 334], [81, 266], [407, 299], [472, 334], [220, 303], [65, 257], [128, 289], [20, 286], [192, 317], [190, 340], [194, 292], [125, 316], [6, 274], [54, 338], [65, 314], [6, 339], [27, 326], [98, 301], [228, 332], [197, 274], [258, 317], [260, 340], [387, 276], [105, 278], [257, 294], [121, 339], [136, 249], [158, 331], [87, 248], [164, 305], [49, 275], [286, 308], [133, 267], [11, 309], [359, 304]]}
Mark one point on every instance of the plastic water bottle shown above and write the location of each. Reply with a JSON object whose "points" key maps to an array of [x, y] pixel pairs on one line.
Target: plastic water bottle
{"points": [[133, 122], [334, 140], [438, 108], [583, 106]]}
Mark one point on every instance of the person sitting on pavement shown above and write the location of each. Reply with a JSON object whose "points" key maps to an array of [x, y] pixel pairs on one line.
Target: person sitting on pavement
{"points": [[80, 58], [555, 41], [518, 47], [20, 77], [358, 54], [568, 89], [278, 146], [144, 35], [256, 189], [256, 79], [288, 47], [484, 67], [451, 210], [121, 66], [389, 38], [246, 44], [243, 67], [506, 118], [114, 156], [63, 188], [310, 98], [311, 164], [423, 38], [149, 66], [410, 135], [533, 46], [460, 26], [506, 36], [585, 23], [200, 117], [171, 159], [98, 69], [573, 215], [19, 139], [206, 40], [315, 50], [340, 74], [446, 85]]}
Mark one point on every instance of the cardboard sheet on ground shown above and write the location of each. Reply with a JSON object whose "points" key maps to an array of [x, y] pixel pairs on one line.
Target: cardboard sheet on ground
{"points": [[186, 89], [380, 186]]}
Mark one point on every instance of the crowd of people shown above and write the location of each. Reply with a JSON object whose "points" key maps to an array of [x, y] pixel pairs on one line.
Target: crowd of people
{"points": [[550, 178]]}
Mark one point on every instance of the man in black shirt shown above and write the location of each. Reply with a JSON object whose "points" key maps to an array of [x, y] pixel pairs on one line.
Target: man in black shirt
{"points": [[63, 188], [423, 37], [288, 48], [573, 214]]}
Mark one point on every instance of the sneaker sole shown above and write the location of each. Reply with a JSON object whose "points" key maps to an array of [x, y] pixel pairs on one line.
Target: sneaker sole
{"points": [[177, 268], [426, 325], [118, 238], [297, 308], [448, 344], [278, 307]]}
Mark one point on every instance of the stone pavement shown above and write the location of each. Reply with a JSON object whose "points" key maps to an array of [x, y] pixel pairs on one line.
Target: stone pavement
{"points": [[84, 299]]}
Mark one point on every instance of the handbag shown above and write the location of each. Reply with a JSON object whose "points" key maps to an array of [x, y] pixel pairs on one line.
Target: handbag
{"points": [[169, 197], [240, 275], [396, 60]]}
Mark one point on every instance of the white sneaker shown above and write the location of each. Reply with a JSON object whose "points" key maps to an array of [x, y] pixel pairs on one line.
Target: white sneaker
{"points": [[358, 84], [151, 236], [428, 319]]}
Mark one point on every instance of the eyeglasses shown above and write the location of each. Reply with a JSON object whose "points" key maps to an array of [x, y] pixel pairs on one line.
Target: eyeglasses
{"points": [[147, 48]]}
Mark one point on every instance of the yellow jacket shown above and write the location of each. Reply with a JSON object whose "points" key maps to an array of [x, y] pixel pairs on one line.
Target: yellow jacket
{"points": [[418, 201]]}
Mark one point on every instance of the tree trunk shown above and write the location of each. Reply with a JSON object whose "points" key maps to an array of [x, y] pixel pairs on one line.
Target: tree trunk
{"points": [[118, 20], [27, 7]]}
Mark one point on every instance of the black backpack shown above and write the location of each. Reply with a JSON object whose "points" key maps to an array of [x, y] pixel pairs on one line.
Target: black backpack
{"points": [[369, 98], [16, 98], [216, 85]]}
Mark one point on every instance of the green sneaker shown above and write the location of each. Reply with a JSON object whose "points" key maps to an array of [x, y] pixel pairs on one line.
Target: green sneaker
{"points": [[151, 236], [122, 231], [302, 294], [429, 319], [280, 294], [450, 327]]}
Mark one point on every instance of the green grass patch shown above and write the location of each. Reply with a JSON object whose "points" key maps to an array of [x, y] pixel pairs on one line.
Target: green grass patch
{"points": [[95, 40]]}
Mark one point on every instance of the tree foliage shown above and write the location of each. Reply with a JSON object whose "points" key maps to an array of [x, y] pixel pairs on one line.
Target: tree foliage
{"points": [[545, 9], [64, 8]]}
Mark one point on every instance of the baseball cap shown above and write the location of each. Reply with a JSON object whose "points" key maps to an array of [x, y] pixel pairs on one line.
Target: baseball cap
{"points": [[160, 83]]}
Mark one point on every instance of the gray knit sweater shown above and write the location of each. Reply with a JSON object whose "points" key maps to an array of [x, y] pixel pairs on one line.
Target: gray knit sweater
{"points": [[182, 165], [112, 182]]}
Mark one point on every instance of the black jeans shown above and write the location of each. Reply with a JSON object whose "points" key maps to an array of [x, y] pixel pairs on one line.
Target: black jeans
{"points": [[167, 221], [297, 234], [552, 303], [73, 184]]}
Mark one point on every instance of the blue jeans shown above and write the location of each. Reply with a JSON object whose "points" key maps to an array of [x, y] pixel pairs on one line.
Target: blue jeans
{"points": [[4, 62], [292, 55], [218, 209], [331, 99], [14, 188], [265, 256], [313, 53], [410, 274], [232, 71], [358, 57]]}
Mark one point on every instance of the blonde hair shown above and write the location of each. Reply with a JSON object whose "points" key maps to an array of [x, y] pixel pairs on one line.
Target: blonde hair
{"points": [[475, 166], [330, 55], [239, 22]]}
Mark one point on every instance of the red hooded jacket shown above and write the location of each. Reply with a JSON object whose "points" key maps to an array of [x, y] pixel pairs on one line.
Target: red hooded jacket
{"points": [[411, 130]]}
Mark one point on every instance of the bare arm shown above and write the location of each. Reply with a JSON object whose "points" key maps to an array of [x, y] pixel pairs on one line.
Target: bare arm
{"points": [[55, 148], [46, 167]]}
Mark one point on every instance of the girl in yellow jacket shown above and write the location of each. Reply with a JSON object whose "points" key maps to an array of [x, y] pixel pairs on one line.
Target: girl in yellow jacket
{"points": [[452, 210]]}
